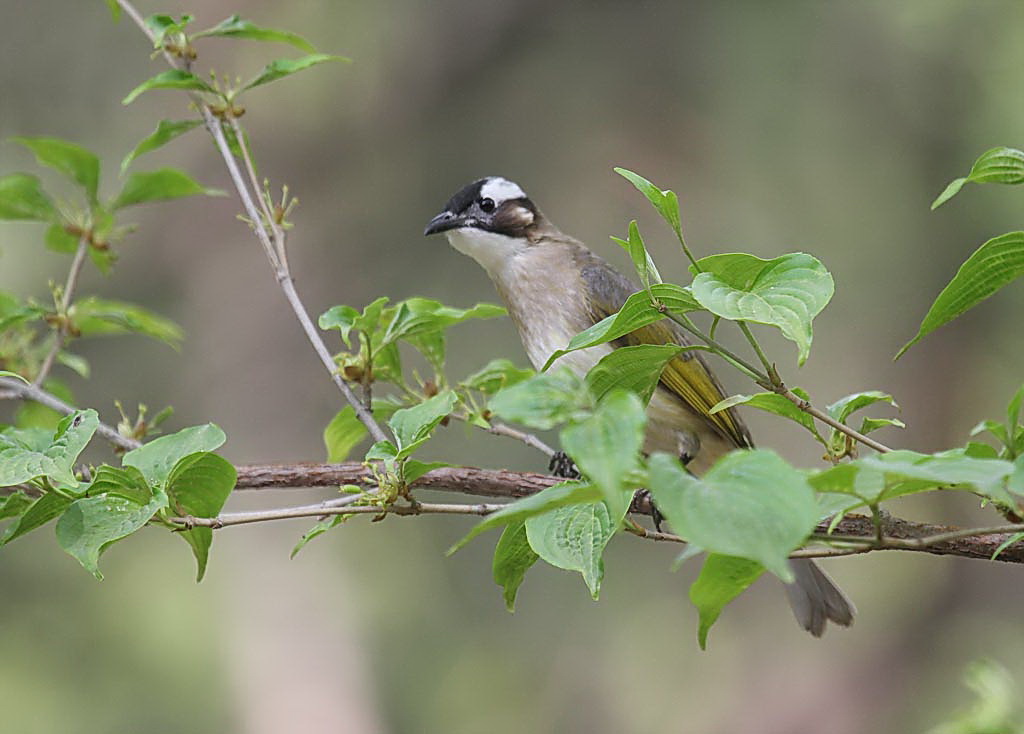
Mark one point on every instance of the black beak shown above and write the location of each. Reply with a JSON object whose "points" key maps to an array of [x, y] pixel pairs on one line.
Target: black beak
{"points": [[442, 223]]}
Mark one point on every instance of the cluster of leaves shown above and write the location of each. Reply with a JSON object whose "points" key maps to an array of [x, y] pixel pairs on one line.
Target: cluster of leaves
{"points": [[80, 224], [177, 475], [173, 37], [995, 264]]}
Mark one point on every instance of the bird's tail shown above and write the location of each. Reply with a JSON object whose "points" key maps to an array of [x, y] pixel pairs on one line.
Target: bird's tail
{"points": [[816, 599]]}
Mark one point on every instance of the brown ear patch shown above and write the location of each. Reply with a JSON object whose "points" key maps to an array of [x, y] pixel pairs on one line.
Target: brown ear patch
{"points": [[514, 218]]}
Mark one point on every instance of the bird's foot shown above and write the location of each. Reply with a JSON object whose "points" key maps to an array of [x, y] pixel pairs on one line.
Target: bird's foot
{"points": [[562, 466]]}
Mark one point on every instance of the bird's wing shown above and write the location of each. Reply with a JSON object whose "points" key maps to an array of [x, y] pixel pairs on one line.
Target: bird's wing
{"points": [[686, 376]]}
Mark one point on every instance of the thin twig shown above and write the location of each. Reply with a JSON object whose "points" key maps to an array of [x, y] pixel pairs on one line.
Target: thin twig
{"points": [[38, 395], [61, 335], [825, 418], [281, 272], [418, 508], [500, 429]]}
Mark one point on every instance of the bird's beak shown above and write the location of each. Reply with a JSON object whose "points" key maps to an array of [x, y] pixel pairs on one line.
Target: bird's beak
{"points": [[442, 223]]}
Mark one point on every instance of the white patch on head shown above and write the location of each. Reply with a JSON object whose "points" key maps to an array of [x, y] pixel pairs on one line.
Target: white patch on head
{"points": [[501, 189], [493, 251]]}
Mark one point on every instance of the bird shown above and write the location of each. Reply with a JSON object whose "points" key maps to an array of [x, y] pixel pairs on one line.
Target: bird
{"points": [[554, 287]]}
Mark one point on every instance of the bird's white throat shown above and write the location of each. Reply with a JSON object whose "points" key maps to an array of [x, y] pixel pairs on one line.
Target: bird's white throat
{"points": [[493, 251]]}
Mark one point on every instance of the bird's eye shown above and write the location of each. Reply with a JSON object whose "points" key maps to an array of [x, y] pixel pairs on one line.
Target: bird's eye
{"points": [[487, 205]]}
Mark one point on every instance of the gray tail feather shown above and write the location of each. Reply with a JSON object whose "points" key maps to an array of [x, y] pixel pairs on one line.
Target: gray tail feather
{"points": [[816, 599]]}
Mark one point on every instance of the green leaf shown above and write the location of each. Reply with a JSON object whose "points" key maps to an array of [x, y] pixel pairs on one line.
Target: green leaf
{"points": [[128, 483], [574, 538], [771, 402], [1015, 538], [199, 485], [346, 318], [750, 504], [413, 469], [642, 262], [167, 183], [413, 425], [317, 530], [166, 131], [22, 197], [665, 201], [722, 579], [59, 239], [21, 462], [236, 27], [636, 312], [74, 161], [636, 369], [786, 292], [44, 509], [495, 375], [606, 446], [157, 458], [992, 266], [542, 401], [171, 79], [951, 190], [998, 165], [285, 67], [513, 557], [115, 9], [420, 315], [841, 409], [342, 434], [869, 425], [161, 25], [566, 493], [90, 525], [94, 316], [13, 505]]}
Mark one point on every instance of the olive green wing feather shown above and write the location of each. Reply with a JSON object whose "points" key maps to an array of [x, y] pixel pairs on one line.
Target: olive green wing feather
{"points": [[686, 375]]}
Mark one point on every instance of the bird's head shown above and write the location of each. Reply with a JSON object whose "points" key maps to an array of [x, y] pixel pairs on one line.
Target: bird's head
{"points": [[490, 220]]}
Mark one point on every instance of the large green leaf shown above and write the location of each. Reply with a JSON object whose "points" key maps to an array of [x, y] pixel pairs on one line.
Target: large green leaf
{"points": [[44, 509], [513, 557], [167, 183], [285, 67], [998, 165], [236, 27], [22, 197], [992, 266], [90, 525], [166, 131], [20, 461], [559, 495], [157, 458], [771, 402], [74, 161], [750, 504], [495, 375], [606, 446], [574, 538], [199, 485], [542, 401], [638, 311], [171, 79], [722, 579], [786, 292], [636, 369]]}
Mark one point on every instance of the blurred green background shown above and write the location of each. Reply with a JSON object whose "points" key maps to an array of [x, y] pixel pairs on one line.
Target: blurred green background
{"points": [[820, 126]]}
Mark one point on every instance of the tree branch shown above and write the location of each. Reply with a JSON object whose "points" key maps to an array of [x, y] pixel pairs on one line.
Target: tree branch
{"points": [[66, 297], [271, 242]]}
